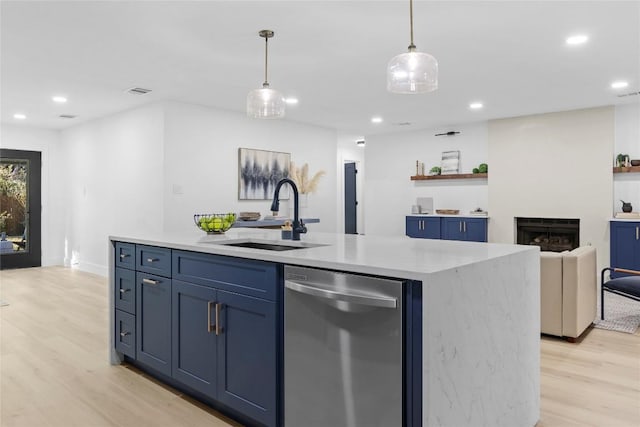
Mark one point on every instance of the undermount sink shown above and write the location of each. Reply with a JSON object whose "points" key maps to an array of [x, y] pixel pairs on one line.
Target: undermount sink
{"points": [[269, 245]]}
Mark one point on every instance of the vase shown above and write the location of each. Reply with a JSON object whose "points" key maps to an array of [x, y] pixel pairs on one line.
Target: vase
{"points": [[303, 205]]}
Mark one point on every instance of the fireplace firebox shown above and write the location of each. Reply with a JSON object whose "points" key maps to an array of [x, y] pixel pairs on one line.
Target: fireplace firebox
{"points": [[551, 234]]}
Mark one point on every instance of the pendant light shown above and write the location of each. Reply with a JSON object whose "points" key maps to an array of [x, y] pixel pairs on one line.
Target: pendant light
{"points": [[412, 72], [265, 103]]}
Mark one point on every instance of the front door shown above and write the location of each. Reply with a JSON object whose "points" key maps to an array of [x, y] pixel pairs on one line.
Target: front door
{"points": [[20, 209]]}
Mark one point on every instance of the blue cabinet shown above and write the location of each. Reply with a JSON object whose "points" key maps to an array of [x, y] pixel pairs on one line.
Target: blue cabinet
{"points": [[210, 323], [194, 339], [247, 363], [153, 321], [225, 327], [466, 229], [447, 228], [625, 246], [423, 227]]}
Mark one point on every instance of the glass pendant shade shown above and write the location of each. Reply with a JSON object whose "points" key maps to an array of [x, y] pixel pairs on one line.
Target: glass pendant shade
{"points": [[265, 103], [412, 72]]}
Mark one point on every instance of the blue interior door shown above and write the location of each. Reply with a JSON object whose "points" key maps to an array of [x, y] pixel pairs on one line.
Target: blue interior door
{"points": [[20, 209], [350, 202]]}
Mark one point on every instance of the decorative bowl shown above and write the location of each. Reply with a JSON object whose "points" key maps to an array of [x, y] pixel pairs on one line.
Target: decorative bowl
{"points": [[635, 162], [448, 211], [214, 223]]}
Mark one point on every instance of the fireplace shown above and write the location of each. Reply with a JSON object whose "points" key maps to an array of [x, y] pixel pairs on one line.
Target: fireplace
{"points": [[551, 234]]}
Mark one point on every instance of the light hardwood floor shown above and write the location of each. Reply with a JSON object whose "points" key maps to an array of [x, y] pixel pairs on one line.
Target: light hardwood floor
{"points": [[54, 368]]}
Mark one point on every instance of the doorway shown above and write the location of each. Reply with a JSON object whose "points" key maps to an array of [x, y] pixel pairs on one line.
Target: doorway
{"points": [[20, 209], [350, 199]]}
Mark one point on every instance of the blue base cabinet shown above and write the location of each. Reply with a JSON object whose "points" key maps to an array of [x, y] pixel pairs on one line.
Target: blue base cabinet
{"points": [[423, 227], [625, 246], [247, 357], [465, 229], [207, 323], [194, 355], [447, 228]]}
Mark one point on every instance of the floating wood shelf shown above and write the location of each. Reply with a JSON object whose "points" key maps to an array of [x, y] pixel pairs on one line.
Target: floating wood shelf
{"points": [[625, 170], [453, 176]]}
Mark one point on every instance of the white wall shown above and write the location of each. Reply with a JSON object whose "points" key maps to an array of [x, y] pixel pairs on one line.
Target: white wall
{"points": [[391, 160], [627, 141], [44, 141], [201, 161], [112, 170], [555, 165]]}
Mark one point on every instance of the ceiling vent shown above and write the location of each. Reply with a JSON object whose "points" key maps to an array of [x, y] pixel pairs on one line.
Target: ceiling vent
{"points": [[402, 124], [628, 94], [67, 116], [137, 91]]}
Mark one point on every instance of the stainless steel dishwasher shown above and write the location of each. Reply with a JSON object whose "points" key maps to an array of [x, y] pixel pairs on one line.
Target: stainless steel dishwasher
{"points": [[343, 350]]}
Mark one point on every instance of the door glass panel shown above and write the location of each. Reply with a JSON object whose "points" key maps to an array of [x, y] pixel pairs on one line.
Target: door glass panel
{"points": [[14, 218]]}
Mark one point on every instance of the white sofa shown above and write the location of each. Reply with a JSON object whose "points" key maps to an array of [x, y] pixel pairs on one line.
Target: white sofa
{"points": [[568, 291]]}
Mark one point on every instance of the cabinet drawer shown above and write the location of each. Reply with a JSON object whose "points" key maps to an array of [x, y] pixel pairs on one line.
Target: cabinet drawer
{"points": [[125, 288], [126, 333], [154, 260], [248, 277], [126, 255]]}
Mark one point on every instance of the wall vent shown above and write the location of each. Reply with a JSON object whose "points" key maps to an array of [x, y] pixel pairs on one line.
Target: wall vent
{"points": [[137, 91], [67, 116], [628, 94]]}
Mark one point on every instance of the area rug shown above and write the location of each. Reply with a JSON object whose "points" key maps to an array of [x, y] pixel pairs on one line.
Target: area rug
{"points": [[620, 314]]}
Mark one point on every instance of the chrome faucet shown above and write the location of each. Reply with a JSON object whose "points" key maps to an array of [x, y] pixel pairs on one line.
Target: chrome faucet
{"points": [[298, 225]]}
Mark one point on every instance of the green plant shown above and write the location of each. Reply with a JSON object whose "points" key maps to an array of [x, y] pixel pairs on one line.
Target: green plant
{"points": [[435, 170], [621, 159], [4, 215], [483, 168]]}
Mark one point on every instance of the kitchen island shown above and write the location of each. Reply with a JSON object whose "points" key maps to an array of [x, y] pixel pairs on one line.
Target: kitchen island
{"points": [[478, 315]]}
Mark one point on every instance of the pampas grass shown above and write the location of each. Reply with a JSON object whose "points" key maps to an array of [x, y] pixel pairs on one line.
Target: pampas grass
{"points": [[301, 177]]}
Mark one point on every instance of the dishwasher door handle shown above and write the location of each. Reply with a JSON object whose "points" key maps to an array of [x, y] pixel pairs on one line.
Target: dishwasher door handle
{"points": [[368, 300]]}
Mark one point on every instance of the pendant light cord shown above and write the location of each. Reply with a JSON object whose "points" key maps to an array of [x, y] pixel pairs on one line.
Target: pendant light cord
{"points": [[411, 46], [266, 56]]}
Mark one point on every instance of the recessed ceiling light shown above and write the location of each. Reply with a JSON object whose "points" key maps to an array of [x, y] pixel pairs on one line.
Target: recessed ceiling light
{"points": [[59, 99], [476, 105], [291, 101], [19, 116], [619, 85], [577, 39], [376, 119]]}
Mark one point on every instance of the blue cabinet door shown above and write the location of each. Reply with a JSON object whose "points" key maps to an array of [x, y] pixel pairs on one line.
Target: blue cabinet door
{"points": [[625, 246], [431, 228], [452, 229], [423, 227], [247, 366], [193, 356], [153, 321], [475, 229], [413, 227]]}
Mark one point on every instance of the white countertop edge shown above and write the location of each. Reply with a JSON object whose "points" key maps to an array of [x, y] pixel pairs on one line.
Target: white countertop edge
{"points": [[396, 257], [625, 219]]}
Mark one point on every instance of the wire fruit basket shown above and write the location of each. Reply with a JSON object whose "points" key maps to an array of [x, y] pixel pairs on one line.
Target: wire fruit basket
{"points": [[214, 223]]}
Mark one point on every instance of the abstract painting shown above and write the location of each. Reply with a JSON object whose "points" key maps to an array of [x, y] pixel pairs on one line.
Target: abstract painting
{"points": [[258, 173]]}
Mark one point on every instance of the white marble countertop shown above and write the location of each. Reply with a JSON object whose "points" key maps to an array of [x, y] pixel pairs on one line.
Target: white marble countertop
{"points": [[625, 219], [400, 257]]}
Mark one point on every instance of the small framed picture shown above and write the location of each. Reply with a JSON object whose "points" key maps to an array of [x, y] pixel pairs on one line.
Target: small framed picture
{"points": [[450, 162]]}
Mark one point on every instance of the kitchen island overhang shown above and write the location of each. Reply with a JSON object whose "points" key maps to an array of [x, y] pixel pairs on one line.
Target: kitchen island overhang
{"points": [[480, 312]]}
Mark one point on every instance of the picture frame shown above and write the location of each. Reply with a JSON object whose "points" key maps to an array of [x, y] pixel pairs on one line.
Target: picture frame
{"points": [[259, 172], [450, 163]]}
